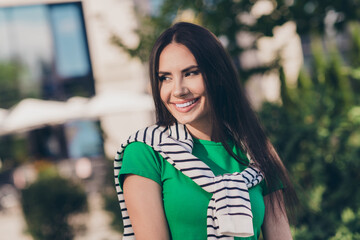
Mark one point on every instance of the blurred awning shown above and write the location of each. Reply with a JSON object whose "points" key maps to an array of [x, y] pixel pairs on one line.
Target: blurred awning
{"points": [[109, 103], [35, 113], [3, 114], [31, 113]]}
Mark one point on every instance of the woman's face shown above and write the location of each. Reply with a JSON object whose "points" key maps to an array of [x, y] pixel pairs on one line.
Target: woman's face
{"points": [[182, 88]]}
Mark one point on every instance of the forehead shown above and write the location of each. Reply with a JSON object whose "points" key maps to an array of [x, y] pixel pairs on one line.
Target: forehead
{"points": [[175, 56]]}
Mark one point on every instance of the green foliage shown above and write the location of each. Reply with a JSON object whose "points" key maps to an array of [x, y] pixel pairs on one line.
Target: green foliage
{"points": [[310, 14], [9, 82], [13, 151], [47, 205], [221, 17], [226, 18], [317, 134]]}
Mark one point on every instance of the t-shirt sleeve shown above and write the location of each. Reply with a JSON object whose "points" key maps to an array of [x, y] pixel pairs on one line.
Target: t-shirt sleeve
{"points": [[140, 159], [267, 190]]}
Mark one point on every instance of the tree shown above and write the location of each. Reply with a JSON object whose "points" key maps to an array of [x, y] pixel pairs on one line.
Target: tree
{"points": [[317, 133], [227, 18], [311, 15]]}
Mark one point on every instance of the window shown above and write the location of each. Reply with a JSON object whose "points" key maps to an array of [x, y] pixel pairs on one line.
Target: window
{"points": [[47, 45]]}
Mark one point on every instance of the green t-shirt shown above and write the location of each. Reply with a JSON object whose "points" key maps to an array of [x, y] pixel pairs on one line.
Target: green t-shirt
{"points": [[185, 203]]}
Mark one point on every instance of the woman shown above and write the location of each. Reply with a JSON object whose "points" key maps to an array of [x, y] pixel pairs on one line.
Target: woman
{"points": [[206, 170]]}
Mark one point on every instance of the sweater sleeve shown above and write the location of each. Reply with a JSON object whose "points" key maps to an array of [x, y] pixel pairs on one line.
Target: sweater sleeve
{"points": [[140, 159]]}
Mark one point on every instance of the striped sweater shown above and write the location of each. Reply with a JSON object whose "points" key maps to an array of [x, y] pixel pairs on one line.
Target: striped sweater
{"points": [[229, 210]]}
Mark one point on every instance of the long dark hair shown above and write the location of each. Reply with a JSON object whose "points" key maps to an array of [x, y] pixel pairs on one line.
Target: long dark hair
{"points": [[231, 113]]}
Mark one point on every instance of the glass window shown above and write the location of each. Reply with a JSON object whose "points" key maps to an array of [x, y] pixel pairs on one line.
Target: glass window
{"points": [[70, 43], [28, 43], [83, 139], [47, 45]]}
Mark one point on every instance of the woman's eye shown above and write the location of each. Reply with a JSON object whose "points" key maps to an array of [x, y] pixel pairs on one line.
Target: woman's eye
{"points": [[163, 78], [192, 73]]}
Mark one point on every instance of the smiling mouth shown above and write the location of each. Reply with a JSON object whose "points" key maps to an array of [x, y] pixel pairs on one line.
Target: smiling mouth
{"points": [[186, 104]]}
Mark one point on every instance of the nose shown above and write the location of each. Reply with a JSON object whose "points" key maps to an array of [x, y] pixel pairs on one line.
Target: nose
{"points": [[180, 89]]}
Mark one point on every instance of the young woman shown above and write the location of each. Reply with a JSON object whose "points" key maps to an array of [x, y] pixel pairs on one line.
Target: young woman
{"points": [[206, 170]]}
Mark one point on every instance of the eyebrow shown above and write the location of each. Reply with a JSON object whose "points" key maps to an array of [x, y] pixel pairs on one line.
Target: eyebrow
{"points": [[183, 71]]}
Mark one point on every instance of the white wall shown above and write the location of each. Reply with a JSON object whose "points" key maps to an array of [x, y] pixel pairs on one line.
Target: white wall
{"points": [[113, 69]]}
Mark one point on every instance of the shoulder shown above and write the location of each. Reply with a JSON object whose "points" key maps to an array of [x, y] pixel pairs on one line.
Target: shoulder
{"points": [[138, 149], [141, 159]]}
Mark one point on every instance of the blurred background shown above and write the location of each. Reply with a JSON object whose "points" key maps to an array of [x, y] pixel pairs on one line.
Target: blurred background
{"points": [[74, 85]]}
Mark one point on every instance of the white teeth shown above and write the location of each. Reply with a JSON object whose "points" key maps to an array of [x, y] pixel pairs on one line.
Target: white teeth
{"points": [[182, 105]]}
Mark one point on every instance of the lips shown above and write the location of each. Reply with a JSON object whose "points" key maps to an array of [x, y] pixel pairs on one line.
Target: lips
{"points": [[186, 106], [182, 105]]}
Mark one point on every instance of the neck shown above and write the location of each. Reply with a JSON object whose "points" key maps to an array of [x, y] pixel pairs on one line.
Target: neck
{"points": [[203, 133]]}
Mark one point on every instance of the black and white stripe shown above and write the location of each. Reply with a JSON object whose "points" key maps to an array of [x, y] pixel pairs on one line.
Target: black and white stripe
{"points": [[229, 211]]}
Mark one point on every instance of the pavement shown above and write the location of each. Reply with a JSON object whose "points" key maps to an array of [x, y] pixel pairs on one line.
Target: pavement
{"points": [[97, 222], [12, 224]]}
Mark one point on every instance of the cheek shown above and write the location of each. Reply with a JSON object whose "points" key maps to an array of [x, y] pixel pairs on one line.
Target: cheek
{"points": [[200, 87]]}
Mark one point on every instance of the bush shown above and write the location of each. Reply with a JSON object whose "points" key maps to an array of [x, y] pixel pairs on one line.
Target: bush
{"points": [[48, 203], [317, 134]]}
